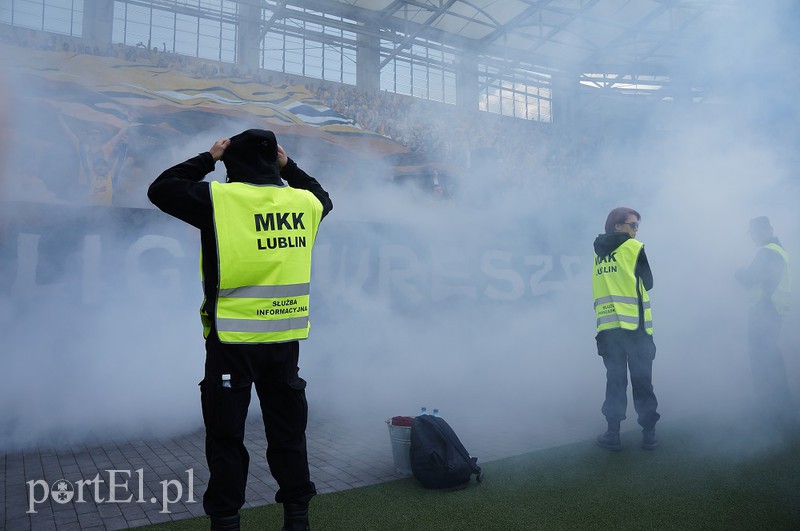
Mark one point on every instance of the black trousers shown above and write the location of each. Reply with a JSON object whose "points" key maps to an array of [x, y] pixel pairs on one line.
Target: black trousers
{"points": [[284, 409], [767, 364], [624, 350]]}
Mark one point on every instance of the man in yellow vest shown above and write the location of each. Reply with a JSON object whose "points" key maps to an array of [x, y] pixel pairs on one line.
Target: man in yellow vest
{"points": [[624, 338], [769, 279], [257, 233]]}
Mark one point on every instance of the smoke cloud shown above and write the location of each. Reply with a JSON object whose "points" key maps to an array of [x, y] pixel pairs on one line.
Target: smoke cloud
{"points": [[479, 305]]}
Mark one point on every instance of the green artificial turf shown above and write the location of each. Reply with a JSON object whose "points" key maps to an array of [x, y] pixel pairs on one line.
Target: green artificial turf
{"points": [[701, 477]]}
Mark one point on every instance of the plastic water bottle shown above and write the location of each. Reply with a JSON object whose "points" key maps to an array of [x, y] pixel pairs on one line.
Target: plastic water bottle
{"points": [[226, 381], [435, 412], [423, 410]]}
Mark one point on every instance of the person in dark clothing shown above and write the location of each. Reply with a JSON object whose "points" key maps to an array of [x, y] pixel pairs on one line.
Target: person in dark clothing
{"points": [[250, 280], [769, 281], [622, 278]]}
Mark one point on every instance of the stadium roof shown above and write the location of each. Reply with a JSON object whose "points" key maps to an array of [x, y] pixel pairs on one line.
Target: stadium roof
{"points": [[601, 36]]}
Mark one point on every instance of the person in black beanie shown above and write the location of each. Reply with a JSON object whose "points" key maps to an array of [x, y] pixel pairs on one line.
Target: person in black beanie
{"points": [[257, 233]]}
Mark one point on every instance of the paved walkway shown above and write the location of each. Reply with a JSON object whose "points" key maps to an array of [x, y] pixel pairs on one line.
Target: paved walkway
{"points": [[162, 480]]}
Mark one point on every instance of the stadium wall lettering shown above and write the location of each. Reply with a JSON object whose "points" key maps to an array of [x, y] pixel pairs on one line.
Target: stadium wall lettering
{"points": [[96, 254]]}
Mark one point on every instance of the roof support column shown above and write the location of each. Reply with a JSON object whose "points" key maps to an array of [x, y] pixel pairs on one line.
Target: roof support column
{"points": [[566, 100], [368, 60], [98, 22], [248, 38], [467, 82]]}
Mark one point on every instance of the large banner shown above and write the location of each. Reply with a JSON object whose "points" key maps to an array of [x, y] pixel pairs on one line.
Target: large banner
{"points": [[89, 129]]}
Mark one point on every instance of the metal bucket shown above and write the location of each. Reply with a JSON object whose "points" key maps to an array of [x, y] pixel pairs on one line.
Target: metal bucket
{"points": [[400, 437]]}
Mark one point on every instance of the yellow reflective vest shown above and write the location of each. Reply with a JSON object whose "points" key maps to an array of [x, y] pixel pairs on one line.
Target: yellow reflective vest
{"points": [[617, 291], [782, 295], [264, 236]]}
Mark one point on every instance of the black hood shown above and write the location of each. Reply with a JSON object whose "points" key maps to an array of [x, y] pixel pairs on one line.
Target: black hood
{"points": [[252, 157], [605, 243]]}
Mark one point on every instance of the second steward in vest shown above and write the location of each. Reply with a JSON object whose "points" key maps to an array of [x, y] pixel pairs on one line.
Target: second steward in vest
{"points": [[624, 338]]}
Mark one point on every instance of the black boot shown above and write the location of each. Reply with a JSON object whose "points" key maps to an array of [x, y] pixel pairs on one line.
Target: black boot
{"points": [[609, 440], [225, 523], [295, 517], [649, 439]]}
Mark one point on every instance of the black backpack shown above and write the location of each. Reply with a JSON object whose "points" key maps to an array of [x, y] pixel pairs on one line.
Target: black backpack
{"points": [[438, 459]]}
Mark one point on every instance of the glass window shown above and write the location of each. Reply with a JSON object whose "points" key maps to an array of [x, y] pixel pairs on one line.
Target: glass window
{"points": [[186, 34], [228, 43], [312, 56], [56, 16], [163, 31], [424, 70], [333, 63], [518, 92], [272, 52], [349, 65], [293, 55], [310, 49], [204, 28], [137, 27], [208, 39]]}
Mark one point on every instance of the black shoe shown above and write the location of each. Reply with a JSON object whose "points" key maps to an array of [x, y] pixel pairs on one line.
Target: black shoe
{"points": [[649, 439], [225, 523], [295, 517], [609, 440]]}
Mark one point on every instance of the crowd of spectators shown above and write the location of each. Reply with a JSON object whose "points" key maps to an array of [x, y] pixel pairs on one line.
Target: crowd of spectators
{"points": [[521, 153]]}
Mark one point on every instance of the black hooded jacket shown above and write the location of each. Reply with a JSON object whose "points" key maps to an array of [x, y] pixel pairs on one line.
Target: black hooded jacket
{"points": [[604, 244]]}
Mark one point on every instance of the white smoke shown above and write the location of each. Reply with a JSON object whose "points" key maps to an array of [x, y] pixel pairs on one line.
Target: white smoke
{"points": [[479, 305]]}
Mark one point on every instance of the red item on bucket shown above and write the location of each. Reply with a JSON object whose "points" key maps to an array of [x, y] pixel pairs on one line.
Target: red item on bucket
{"points": [[402, 421]]}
